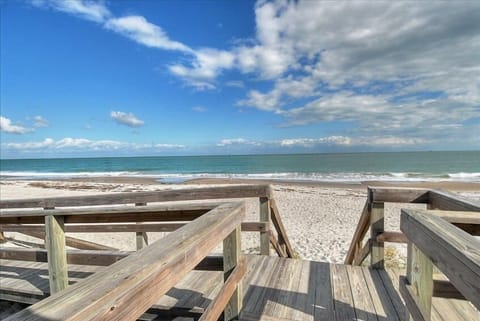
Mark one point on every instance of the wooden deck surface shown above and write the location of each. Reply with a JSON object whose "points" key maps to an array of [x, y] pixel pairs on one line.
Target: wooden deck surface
{"points": [[275, 289]]}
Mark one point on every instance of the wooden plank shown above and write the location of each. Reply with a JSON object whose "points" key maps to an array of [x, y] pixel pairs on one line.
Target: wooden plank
{"points": [[321, 276], [203, 193], [419, 286], [56, 252], [129, 287], [360, 231], [455, 252], [380, 295], [414, 309], [342, 294], [445, 289], [115, 214], [74, 242], [264, 217], [377, 226], [392, 237], [362, 300], [232, 251], [363, 253], [389, 277], [276, 245], [121, 228], [443, 200], [228, 291], [281, 231], [398, 194]]}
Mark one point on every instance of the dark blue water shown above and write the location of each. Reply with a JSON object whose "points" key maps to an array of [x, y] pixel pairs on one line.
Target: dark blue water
{"points": [[418, 166]]}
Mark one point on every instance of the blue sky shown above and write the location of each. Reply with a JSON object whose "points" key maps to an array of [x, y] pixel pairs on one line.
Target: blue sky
{"points": [[126, 78]]}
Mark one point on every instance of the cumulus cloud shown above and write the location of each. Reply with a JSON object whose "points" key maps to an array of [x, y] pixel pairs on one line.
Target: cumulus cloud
{"points": [[39, 121], [127, 119], [7, 127], [200, 109]]}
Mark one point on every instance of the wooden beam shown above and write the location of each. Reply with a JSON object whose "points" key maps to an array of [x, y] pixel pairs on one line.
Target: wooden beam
{"points": [[445, 289], [57, 256], [455, 252], [281, 231], [186, 194], [232, 251], [392, 237], [120, 228], [127, 288], [414, 309], [219, 304], [264, 217], [360, 231], [420, 280], [73, 242], [443, 200], [111, 214], [398, 194], [93, 257], [363, 253], [273, 241], [377, 226]]}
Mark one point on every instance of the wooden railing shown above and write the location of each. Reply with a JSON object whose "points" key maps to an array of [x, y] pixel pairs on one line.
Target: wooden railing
{"points": [[433, 241], [466, 217], [277, 237], [129, 287]]}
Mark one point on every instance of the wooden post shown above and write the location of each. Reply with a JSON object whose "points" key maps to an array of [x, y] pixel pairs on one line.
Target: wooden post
{"points": [[141, 237], [232, 250], [420, 279], [56, 253], [2, 237], [264, 217], [376, 227]]}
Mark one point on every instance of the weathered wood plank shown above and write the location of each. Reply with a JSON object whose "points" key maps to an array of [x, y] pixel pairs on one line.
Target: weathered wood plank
{"points": [[360, 231], [228, 291], [147, 274], [56, 252], [276, 245], [120, 228], [362, 300], [420, 283], [398, 194], [443, 200], [232, 251], [203, 193], [377, 226], [363, 253], [73, 242], [455, 252], [381, 299], [264, 217], [342, 294], [281, 231], [414, 309]]}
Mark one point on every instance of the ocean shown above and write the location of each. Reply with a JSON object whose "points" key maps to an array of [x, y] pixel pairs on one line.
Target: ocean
{"points": [[461, 166]]}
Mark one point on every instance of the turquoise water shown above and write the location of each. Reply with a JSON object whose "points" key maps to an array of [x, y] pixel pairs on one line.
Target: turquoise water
{"points": [[356, 167]]}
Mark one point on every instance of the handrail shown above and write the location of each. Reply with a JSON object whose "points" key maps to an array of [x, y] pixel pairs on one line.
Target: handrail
{"points": [[130, 286], [435, 199], [202, 193], [453, 251]]}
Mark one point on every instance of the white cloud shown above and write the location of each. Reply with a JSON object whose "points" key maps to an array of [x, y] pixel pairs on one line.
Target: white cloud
{"points": [[39, 121], [345, 141], [7, 127], [127, 119], [84, 144], [146, 33], [90, 10], [236, 141]]}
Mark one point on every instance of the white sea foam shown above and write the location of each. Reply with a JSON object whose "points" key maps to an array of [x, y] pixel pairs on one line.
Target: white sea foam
{"points": [[288, 176]]}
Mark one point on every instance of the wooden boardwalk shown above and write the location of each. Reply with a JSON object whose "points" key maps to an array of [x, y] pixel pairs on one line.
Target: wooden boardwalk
{"points": [[274, 289]]}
